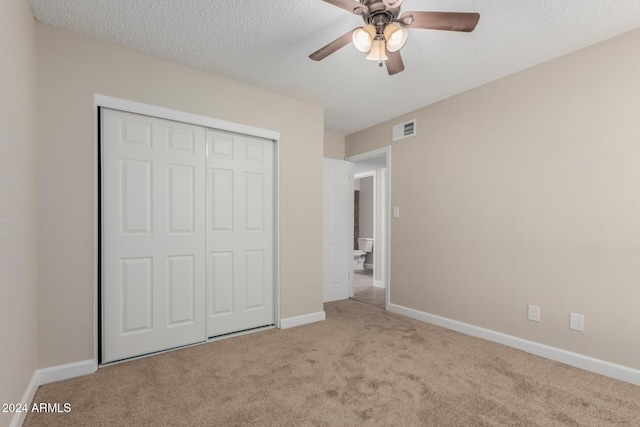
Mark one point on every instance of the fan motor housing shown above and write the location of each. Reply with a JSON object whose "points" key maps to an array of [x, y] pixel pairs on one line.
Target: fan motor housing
{"points": [[378, 14]]}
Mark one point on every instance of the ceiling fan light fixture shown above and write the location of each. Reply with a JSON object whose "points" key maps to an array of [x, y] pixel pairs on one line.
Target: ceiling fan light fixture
{"points": [[363, 38], [395, 36], [378, 51], [386, 29]]}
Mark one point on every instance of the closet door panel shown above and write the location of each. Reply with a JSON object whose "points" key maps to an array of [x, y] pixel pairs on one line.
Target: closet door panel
{"points": [[240, 240], [153, 234]]}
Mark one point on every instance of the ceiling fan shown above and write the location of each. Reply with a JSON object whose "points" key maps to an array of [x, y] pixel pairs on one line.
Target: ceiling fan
{"points": [[385, 30]]}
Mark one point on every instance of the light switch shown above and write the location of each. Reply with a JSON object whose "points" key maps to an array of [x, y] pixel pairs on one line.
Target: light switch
{"points": [[396, 212]]}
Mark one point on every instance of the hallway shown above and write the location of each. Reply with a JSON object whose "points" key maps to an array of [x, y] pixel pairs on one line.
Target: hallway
{"points": [[364, 291]]}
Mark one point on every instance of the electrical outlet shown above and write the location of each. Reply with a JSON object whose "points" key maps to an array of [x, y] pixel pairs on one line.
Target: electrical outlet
{"points": [[576, 322], [533, 312]]}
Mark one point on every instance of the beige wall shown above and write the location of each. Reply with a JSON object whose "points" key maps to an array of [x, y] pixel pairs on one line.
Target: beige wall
{"points": [[18, 279], [529, 193], [333, 145], [71, 69]]}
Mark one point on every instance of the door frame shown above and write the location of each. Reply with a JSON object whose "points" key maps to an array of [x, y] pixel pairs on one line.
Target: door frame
{"points": [[361, 175], [386, 151], [179, 116]]}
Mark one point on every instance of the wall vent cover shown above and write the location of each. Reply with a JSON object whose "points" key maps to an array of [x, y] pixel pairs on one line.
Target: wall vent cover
{"points": [[404, 130]]}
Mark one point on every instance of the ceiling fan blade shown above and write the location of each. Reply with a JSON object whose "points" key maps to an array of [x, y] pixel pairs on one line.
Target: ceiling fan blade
{"points": [[350, 5], [394, 63], [449, 21], [338, 43]]}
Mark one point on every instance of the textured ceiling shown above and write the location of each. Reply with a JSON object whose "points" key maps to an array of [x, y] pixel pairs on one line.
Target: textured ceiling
{"points": [[267, 43]]}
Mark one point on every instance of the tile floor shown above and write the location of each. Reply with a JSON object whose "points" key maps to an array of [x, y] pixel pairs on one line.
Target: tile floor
{"points": [[364, 291]]}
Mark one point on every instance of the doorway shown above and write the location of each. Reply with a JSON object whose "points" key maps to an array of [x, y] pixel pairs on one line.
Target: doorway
{"points": [[371, 221]]}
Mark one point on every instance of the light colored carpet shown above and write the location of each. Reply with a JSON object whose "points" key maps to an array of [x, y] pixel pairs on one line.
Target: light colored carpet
{"points": [[361, 366]]}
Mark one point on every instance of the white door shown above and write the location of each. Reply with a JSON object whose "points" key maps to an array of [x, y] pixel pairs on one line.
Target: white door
{"points": [[240, 241], [338, 229], [153, 234]]}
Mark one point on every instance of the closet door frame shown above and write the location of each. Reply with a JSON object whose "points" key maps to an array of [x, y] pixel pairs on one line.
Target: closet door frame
{"points": [[179, 116]]}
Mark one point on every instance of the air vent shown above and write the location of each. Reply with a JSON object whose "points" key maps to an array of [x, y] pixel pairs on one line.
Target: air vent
{"points": [[404, 130]]}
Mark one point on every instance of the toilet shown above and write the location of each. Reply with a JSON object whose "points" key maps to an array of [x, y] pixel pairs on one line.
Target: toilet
{"points": [[365, 244]]}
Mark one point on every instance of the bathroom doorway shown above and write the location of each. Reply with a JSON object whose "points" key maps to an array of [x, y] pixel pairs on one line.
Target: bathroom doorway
{"points": [[371, 227]]}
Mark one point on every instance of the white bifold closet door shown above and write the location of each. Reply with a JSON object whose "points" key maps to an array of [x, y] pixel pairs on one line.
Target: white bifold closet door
{"points": [[187, 234]]}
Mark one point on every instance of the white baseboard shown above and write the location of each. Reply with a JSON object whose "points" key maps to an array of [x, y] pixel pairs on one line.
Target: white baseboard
{"points": [[379, 284], [290, 322], [577, 360], [65, 372], [27, 397], [50, 375]]}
